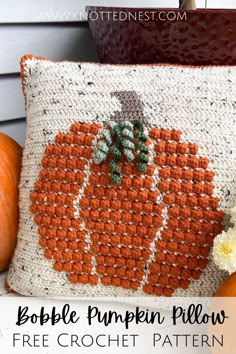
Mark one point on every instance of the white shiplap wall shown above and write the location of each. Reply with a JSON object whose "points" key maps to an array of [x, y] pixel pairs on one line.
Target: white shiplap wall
{"points": [[22, 33], [16, 11], [50, 28]]}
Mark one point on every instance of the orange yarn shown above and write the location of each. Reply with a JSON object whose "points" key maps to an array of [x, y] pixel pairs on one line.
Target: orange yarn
{"points": [[123, 220]]}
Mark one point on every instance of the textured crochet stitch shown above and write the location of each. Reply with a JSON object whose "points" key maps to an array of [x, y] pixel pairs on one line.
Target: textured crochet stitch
{"points": [[147, 235], [150, 230], [122, 137]]}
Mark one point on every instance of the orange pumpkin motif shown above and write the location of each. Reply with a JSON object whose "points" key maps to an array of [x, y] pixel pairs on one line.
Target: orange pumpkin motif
{"points": [[152, 232]]}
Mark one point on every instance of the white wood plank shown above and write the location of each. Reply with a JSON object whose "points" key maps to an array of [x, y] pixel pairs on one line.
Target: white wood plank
{"points": [[58, 10], [15, 129], [216, 4], [12, 101], [57, 42], [15, 11]]}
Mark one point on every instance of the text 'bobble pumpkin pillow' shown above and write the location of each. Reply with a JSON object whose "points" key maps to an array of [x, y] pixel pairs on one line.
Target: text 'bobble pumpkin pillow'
{"points": [[128, 175]]}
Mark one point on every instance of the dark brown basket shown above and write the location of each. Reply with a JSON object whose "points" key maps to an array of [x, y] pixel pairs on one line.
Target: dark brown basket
{"points": [[206, 37]]}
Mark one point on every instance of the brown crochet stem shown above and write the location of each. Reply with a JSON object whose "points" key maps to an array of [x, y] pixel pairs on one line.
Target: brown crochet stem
{"points": [[187, 4], [124, 98]]}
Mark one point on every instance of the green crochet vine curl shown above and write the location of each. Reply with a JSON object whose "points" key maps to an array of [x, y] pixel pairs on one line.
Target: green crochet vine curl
{"points": [[122, 138]]}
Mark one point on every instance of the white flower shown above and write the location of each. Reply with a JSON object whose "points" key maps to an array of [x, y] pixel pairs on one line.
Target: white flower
{"points": [[233, 216], [224, 250]]}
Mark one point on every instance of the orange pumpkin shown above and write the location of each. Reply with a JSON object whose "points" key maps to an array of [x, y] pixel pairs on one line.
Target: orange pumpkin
{"points": [[122, 220], [10, 163], [228, 288]]}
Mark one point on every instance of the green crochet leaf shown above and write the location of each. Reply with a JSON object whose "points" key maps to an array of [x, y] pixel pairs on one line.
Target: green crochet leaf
{"points": [[122, 138]]}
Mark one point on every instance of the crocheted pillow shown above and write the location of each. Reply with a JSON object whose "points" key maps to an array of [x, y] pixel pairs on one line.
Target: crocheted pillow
{"points": [[127, 174]]}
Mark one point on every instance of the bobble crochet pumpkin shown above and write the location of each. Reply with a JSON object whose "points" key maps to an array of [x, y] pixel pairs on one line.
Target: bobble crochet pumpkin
{"points": [[140, 216]]}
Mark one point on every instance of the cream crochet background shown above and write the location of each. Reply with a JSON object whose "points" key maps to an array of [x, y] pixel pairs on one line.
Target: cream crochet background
{"points": [[199, 101]]}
